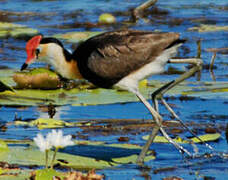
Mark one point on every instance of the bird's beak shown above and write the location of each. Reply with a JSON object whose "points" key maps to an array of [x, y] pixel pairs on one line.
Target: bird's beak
{"points": [[28, 61], [24, 66]]}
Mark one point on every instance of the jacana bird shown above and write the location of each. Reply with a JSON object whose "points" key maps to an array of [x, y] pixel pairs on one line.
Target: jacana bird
{"points": [[116, 59]]}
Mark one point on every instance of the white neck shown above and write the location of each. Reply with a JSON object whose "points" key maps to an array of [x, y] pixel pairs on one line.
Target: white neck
{"points": [[53, 55]]}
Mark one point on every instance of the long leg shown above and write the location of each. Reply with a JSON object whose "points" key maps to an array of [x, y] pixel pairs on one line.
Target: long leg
{"points": [[183, 124], [161, 91], [158, 120], [166, 87]]}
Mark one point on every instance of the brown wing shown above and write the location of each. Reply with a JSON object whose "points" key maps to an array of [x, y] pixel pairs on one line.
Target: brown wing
{"points": [[113, 55]]}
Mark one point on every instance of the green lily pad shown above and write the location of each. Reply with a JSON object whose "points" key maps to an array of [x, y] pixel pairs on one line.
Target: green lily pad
{"points": [[16, 30], [84, 157], [47, 174], [205, 138], [82, 95], [3, 146]]}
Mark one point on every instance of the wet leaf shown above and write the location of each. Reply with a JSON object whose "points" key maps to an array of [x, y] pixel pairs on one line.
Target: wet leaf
{"points": [[16, 30], [47, 174], [2, 171], [205, 138], [40, 78], [49, 123], [82, 95], [42, 123], [106, 18], [208, 28], [74, 37], [3, 147], [85, 155]]}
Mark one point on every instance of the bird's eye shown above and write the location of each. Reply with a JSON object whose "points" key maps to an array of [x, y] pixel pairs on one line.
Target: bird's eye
{"points": [[37, 51]]}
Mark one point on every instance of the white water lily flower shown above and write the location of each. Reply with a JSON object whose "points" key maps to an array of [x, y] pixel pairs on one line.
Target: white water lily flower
{"points": [[42, 143], [57, 139]]}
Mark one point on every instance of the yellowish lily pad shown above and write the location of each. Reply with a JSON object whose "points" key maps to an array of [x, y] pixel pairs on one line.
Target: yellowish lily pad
{"points": [[49, 123], [208, 28], [2, 171], [75, 37], [3, 146], [205, 138], [106, 18], [39, 78], [43, 123]]}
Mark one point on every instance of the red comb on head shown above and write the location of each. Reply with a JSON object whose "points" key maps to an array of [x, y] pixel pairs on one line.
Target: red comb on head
{"points": [[31, 46]]}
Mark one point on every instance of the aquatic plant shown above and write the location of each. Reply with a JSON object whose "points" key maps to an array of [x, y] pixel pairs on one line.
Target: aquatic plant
{"points": [[53, 139]]}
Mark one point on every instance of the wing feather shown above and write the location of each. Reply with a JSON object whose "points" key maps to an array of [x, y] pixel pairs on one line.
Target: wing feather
{"points": [[113, 55]]}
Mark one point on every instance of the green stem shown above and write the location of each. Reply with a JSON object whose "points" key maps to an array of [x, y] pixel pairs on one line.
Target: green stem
{"points": [[46, 159], [53, 159]]}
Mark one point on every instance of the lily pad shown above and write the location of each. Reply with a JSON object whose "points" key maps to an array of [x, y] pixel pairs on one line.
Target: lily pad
{"points": [[47, 174], [106, 18], [85, 95], [82, 157], [205, 138], [39, 78], [16, 30], [3, 146], [42, 123], [208, 28], [75, 37]]}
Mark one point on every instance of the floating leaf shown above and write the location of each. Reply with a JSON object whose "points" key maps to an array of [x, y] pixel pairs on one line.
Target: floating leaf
{"points": [[75, 37], [85, 95], [47, 174], [2, 171], [48, 123], [208, 28], [16, 30], [3, 146], [43, 123], [107, 18], [90, 156], [205, 138], [39, 78]]}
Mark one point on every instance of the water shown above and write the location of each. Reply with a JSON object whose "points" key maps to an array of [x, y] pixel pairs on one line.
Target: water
{"points": [[49, 17]]}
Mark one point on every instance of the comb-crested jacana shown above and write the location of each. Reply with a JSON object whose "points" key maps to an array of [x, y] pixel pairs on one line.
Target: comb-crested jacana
{"points": [[116, 59]]}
